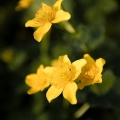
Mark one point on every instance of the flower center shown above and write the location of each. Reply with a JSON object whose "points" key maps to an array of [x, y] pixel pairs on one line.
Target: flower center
{"points": [[62, 74], [88, 72], [45, 14]]}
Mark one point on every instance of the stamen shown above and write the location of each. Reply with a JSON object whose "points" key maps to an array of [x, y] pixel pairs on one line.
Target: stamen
{"points": [[62, 74], [89, 71], [45, 14]]}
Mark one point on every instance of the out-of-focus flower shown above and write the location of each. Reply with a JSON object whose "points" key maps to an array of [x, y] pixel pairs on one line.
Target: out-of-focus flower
{"points": [[91, 72], [8, 55], [23, 4], [44, 18], [38, 81], [62, 79]]}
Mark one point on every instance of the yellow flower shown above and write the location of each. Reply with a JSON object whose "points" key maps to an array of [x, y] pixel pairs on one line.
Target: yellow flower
{"points": [[62, 79], [91, 72], [8, 55], [23, 4], [38, 81], [45, 17]]}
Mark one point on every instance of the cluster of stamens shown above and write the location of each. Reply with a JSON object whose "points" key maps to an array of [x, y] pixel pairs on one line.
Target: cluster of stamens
{"points": [[45, 14], [62, 74], [88, 72]]}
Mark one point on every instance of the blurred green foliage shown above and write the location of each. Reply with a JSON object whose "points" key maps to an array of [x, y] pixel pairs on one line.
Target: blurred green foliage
{"points": [[97, 32], [106, 85]]}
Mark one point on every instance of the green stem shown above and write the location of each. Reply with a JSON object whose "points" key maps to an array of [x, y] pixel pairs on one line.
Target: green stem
{"points": [[44, 49]]}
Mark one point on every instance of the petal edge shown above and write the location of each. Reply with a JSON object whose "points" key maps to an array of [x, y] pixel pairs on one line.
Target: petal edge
{"points": [[61, 16], [53, 93], [41, 31], [69, 92]]}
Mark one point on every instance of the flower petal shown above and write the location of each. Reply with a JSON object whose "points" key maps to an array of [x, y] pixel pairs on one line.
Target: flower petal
{"points": [[78, 65], [32, 23], [89, 58], [100, 62], [64, 59], [61, 16], [57, 5], [97, 79], [33, 90], [54, 62], [40, 69], [69, 92], [53, 93], [44, 5], [48, 70], [41, 31], [37, 82], [84, 83], [30, 79]]}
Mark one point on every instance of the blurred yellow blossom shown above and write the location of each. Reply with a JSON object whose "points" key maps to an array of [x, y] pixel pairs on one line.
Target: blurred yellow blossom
{"points": [[38, 81], [62, 79], [8, 55], [23, 4], [91, 72], [44, 18]]}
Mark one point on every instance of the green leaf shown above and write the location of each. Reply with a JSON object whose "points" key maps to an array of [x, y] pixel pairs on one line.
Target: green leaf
{"points": [[106, 85]]}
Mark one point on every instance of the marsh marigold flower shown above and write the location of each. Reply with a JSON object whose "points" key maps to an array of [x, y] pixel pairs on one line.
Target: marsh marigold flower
{"points": [[38, 81], [23, 4], [44, 18], [91, 72], [62, 79]]}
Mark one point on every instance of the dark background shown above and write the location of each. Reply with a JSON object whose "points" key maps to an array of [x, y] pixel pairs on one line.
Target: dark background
{"points": [[97, 26]]}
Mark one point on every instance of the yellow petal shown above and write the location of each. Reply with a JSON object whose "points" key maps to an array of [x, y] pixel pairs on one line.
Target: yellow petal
{"points": [[54, 62], [84, 83], [89, 58], [78, 65], [48, 70], [97, 79], [33, 90], [44, 5], [61, 16], [69, 92], [30, 79], [41, 31], [40, 69], [37, 82], [100, 62], [53, 93], [32, 23], [64, 59], [57, 5]]}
